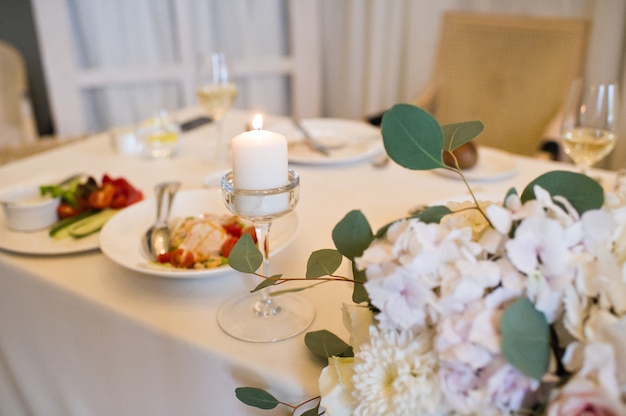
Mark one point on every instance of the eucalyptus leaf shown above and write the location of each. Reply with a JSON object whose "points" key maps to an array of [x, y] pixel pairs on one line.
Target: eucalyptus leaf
{"points": [[412, 137], [526, 338], [359, 294], [256, 397], [433, 214], [353, 234], [383, 230], [323, 263], [580, 190], [266, 283], [326, 344], [312, 412], [511, 191], [245, 257], [457, 134]]}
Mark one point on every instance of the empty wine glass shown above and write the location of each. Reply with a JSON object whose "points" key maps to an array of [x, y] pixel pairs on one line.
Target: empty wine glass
{"points": [[259, 317], [589, 122], [216, 93]]}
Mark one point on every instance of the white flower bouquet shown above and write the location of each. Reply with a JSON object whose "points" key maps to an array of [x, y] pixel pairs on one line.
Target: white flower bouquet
{"points": [[482, 308]]}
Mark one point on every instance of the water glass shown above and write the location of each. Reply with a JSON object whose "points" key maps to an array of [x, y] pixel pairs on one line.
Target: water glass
{"points": [[159, 135]]}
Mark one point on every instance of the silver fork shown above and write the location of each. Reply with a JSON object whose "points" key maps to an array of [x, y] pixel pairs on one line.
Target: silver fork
{"points": [[314, 144]]}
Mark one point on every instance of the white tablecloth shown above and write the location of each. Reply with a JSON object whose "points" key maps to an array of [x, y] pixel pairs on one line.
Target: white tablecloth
{"points": [[81, 335]]}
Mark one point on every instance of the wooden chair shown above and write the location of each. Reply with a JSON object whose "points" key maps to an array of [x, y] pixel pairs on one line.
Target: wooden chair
{"points": [[18, 132], [17, 124], [510, 72]]}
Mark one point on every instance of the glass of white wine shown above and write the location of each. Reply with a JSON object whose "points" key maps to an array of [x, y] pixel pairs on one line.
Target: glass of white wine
{"points": [[589, 123], [216, 93]]}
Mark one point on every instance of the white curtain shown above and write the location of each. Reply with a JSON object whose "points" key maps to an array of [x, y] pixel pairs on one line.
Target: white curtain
{"points": [[139, 33]]}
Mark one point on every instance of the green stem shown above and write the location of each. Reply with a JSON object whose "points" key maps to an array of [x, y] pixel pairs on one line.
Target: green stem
{"points": [[457, 169]]}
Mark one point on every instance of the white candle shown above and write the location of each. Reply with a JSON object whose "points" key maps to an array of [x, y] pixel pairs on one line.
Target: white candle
{"points": [[260, 162]]}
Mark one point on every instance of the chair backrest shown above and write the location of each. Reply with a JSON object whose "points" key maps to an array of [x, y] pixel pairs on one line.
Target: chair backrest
{"points": [[511, 72], [14, 129], [12, 83]]}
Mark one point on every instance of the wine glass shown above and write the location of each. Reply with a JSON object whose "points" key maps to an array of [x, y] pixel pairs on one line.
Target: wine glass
{"points": [[259, 317], [589, 122], [216, 93]]}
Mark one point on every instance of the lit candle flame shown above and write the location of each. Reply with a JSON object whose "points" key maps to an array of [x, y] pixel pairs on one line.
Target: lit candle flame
{"points": [[257, 122]]}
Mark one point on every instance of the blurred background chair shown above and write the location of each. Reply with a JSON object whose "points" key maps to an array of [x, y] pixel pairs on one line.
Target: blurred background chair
{"points": [[510, 72], [18, 131], [17, 124]]}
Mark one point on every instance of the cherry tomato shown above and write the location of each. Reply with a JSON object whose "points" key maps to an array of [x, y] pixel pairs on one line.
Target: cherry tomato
{"points": [[233, 228], [228, 245], [119, 201], [67, 210], [250, 230], [103, 197], [133, 196], [164, 257], [125, 193], [182, 258]]}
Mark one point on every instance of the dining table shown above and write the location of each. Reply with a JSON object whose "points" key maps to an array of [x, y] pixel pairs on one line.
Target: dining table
{"points": [[82, 334]]}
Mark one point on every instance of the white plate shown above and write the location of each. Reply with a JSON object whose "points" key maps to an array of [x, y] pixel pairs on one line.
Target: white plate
{"points": [[40, 243], [362, 140], [121, 237], [493, 165]]}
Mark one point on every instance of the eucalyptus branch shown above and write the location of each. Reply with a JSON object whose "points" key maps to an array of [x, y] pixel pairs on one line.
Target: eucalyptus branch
{"points": [[331, 277], [304, 403], [279, 280], [261, 399], [458, 170]]}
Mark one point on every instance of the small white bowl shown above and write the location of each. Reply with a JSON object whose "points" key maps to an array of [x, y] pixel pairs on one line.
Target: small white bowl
{"points": [[26, 210]]}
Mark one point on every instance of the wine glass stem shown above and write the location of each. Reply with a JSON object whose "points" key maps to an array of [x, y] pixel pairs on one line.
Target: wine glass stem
{"points": [[584, 169], [264, 306]]}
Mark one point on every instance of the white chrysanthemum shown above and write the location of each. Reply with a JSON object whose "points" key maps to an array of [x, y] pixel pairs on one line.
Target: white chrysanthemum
{"points": [[395, 374]]}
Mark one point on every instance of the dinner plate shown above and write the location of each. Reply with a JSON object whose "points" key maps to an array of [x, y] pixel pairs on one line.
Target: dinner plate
{"points": [[493, 165], [358, 140], [40, 243], [121, 237]]}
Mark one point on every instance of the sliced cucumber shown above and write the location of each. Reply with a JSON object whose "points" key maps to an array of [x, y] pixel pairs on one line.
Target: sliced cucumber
{"points": [[61, 230], [91, 224]]}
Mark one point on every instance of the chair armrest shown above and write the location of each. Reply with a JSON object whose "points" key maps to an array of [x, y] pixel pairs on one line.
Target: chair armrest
{"points": [[27, 121], [552, 139]]}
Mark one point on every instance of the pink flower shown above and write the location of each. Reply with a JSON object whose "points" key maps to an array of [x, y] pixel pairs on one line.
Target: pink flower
{"points": [[457, 337], [582, 397], [541, 244], [507, 387], [402, 299], [460, 387]]}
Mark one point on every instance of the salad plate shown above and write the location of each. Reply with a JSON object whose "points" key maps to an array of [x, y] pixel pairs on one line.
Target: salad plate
{"points": [[492, 165], [40, 243], [121, 237], [349, 140]]}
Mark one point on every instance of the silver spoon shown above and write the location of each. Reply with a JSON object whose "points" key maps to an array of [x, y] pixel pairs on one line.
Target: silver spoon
{"points": [[157, 238]]}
